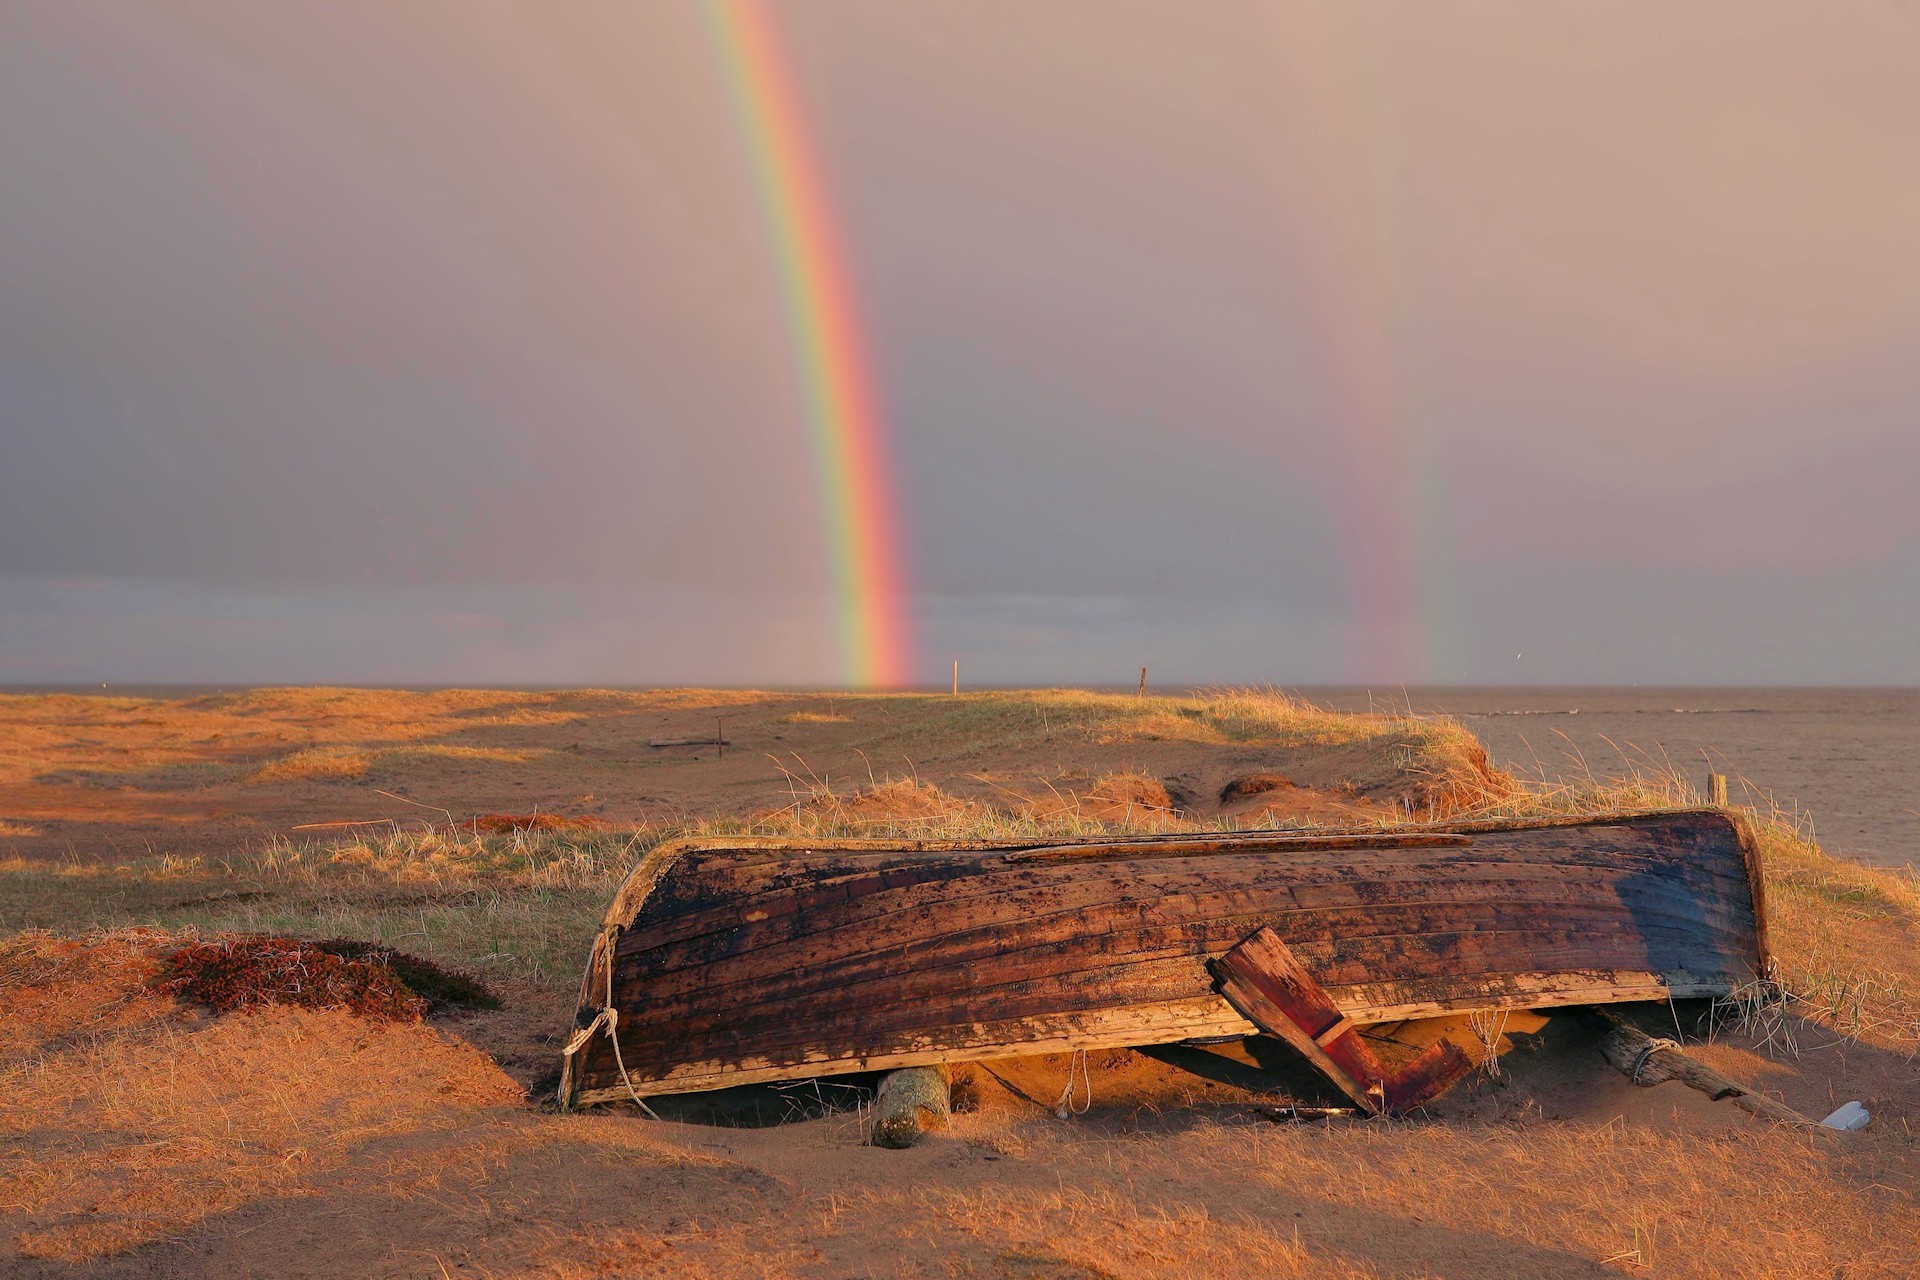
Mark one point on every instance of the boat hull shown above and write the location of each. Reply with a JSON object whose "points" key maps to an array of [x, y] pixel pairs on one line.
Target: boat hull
{"points": [[731, 961]]}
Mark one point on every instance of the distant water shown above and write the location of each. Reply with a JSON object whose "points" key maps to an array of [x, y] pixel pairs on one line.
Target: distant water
{"points": [[1848, 758]]}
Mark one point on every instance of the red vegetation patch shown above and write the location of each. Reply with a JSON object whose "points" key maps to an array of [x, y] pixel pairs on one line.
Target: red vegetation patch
{"points": [[249, 973], [501, 823], [443, 988]]}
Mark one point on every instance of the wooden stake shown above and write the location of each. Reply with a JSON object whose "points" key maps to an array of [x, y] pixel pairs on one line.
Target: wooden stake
{"points": [[1717, 790], [1143, 682], [956, 677]]}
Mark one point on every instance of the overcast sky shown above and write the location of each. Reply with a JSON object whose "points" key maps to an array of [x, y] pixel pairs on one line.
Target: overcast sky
{"points": [[440, 342]]}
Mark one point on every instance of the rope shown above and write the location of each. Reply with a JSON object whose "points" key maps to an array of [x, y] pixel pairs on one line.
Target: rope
{"points": [[1646, 1053], [1013, 1088], [608, 1017], [1488, 1026], [1064, 1107]]}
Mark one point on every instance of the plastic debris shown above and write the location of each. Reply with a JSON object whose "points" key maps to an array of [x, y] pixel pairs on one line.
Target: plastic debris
{"points": [[1848, 1118]]}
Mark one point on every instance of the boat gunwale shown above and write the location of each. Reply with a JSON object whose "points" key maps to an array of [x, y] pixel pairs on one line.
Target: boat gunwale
{"points": [[688, 1078]]}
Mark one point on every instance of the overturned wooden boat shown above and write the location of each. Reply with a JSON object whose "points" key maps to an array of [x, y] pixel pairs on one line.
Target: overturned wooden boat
{"points": [[735, 960]]}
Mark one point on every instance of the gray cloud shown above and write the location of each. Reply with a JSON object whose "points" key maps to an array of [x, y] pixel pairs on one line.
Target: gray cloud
{"points": [[341, 342]]}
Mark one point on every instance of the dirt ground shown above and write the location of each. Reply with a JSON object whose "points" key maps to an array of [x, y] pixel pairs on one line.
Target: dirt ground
{"points": [[299, 1143], [145, 1137]]}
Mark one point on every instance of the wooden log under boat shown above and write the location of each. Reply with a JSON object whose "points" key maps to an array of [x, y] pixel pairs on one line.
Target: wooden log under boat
{"points": [[735, 960]]}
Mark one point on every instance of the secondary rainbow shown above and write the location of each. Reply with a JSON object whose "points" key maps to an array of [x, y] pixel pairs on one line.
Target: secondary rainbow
{"points": [[845, 430]]}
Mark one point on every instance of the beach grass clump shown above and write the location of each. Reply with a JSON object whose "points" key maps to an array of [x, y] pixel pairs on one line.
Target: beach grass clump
{"points": [[315, 764]]}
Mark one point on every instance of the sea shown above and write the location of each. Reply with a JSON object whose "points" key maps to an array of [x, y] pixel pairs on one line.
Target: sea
{"points": [[1847, 761]]}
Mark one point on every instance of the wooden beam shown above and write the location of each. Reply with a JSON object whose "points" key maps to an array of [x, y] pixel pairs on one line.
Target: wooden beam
{"points": [[1647, 1061], [1271, 988]]}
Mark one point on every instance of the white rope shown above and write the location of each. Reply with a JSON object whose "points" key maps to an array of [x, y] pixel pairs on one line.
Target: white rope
{"points": [[1646, 1053], [1488, 1026], [608, 1017], [1064, 1107]]}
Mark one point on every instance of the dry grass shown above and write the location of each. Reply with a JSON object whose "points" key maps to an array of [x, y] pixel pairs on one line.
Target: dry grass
{"points": [[127, 1120], [317, 764], [452, 751], [521, 903], [997, 720], [142, 1127]]}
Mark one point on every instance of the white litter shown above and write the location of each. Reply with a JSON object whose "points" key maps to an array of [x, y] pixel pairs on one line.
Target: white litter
{"points": [[1847, 1119]]}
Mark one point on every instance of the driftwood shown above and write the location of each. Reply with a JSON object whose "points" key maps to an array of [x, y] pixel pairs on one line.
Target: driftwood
{"points": [[1271, 988], [910, 1102], [737, 959], [1648, 1061]]}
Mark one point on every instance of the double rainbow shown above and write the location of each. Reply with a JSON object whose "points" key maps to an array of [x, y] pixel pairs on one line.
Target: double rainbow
{"points": [[844, 427]]}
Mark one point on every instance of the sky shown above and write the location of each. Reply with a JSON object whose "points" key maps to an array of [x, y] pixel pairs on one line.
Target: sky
{"points": [[444, 342]]}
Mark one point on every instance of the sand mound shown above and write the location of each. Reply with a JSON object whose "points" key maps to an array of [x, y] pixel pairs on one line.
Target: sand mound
{"points": [[899, 802], [1256, 784], [1367, 781], [1273, 799], [59, 990], [1116, 799]]}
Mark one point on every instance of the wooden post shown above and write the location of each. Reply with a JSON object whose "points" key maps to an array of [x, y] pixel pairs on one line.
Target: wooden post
{"points": [[911, 1101], [1647, 1061], [1143, 682], [1717, 790], [956, 677]]}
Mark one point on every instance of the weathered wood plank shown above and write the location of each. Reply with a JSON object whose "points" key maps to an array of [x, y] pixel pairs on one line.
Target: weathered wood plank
{"points": [[731, 896], [829, 936], [1211, 848], [1261, 979], [976, 973], [747, 955], [1269, 986]]}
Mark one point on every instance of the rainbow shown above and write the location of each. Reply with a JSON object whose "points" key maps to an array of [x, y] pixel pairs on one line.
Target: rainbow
{"points": [[844, 427], [1340, 174]]}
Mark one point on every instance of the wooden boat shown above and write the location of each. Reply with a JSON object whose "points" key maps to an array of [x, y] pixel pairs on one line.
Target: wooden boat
{"points": [[734, 960]]}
